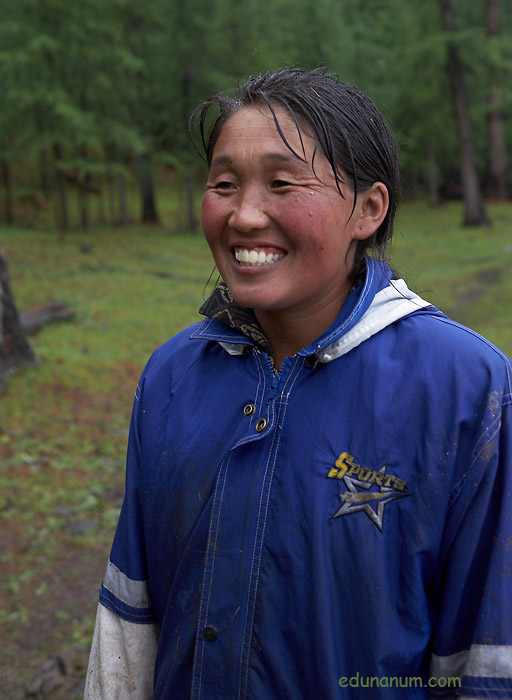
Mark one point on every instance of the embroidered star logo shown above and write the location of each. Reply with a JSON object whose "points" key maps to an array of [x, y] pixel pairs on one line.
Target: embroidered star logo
{"points": [[353, 500]]}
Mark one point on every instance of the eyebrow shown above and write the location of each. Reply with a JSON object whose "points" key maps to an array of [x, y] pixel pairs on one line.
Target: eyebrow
{"points": [[271, 157]]}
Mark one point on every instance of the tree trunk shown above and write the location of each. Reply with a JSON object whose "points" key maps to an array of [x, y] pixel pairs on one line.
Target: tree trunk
{"points": [[433, 182], [63, 218], [475, 213], [6, 176], [44, 177], [191, 205], [123, 208], [498, 184], [498, 181], [102, 217], [149, 213], [186, 84], [15, 350], [111, 190], [84, 186], [83, 201]]}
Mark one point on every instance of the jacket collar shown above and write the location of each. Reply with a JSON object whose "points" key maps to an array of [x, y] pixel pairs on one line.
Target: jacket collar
{"points": [[368, 309], [221, 307]]}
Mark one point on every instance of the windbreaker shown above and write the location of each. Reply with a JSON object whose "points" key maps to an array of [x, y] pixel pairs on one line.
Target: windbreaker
{"points": [[340, 529]]}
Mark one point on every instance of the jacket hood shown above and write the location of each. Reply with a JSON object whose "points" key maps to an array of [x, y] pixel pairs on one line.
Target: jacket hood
{"points": [[389, 305]]}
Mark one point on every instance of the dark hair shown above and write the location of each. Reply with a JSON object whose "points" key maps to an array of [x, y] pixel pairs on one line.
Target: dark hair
{"points": [[350, 130]]}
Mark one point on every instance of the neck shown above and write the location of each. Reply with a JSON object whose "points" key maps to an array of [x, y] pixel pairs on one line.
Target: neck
{"points": [[288, 332]]}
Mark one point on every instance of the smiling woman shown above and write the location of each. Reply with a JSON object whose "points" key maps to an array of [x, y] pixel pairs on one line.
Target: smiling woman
{"points": [[347, 129], [263, 201], [318, 476]]}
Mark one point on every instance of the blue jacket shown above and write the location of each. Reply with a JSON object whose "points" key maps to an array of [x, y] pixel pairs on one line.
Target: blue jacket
{"points": [[340, 529]]}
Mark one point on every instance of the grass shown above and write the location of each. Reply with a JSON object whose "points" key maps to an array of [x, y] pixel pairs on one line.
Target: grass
{"points": [[463, 271], [63, 423]]}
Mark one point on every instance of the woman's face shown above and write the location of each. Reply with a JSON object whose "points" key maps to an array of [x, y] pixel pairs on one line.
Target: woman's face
{"points": [[280, 233]]}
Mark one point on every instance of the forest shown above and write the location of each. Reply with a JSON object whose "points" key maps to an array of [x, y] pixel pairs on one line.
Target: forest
{"points": [[96, 97]]}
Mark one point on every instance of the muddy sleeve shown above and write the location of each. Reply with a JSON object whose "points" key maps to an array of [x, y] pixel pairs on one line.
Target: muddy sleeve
{"points": [[473, 638], [122, 660]]}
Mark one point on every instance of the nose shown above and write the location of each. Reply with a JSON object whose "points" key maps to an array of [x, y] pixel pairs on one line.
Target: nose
{"points": [[249, 211]]}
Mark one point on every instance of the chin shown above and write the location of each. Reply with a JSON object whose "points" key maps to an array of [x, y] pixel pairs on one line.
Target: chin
{"points": [[252, 299]]}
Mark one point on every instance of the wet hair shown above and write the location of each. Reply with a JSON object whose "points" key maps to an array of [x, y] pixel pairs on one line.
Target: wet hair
{"points": [[350, 130]]}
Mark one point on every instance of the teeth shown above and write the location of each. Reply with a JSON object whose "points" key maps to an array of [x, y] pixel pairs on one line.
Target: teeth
{"points": [[254, 257]]}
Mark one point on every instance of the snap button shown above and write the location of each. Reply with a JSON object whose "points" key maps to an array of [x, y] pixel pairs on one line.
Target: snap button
{"points": [[311, 361], [261, 425], [249, 409], [210, 633]]}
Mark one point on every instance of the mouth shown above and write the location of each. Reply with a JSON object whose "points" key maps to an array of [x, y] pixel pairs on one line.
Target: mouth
{"points": [[257, 257]]}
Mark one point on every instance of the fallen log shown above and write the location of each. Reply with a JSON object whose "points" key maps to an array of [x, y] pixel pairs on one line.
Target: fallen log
{"points": [[34, 318]]}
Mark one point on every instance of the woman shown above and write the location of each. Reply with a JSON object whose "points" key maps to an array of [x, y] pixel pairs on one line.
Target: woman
{"points": [[318, 482]]}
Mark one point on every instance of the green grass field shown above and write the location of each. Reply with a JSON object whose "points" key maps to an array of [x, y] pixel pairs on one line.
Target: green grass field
{"points": [[463, 271], [63, 423]]}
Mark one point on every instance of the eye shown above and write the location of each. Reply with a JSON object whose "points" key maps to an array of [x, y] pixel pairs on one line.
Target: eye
{"points": [[280, 184], [224, 185]]}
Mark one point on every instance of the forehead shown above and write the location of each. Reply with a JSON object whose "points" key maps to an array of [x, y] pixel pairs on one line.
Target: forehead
{"points": [[255, 126]]}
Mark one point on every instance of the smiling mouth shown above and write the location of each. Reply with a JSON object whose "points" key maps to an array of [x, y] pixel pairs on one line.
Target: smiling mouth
{"points": [[252, 257]]}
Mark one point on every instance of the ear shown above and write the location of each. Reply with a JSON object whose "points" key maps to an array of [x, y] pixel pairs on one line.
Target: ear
{"points": [[372, 206]]}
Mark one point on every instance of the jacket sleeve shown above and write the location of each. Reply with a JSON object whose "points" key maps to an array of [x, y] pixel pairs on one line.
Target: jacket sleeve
{"points": [[122, 660], [125, 639], [473, 636]]}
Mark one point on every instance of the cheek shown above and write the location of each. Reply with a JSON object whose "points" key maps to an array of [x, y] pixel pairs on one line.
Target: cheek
{"points": [[211, 217], [311, 222], [302, 216]]}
